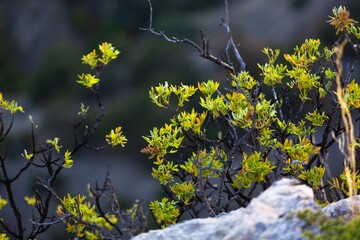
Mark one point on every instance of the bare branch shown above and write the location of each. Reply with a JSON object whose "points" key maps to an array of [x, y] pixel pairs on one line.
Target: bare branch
{"points": [[203, 50], [230, 44], [59, 220]]}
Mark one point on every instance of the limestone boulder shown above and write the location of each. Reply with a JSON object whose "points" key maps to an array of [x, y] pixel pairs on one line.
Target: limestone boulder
{"points": [[269, 216]]}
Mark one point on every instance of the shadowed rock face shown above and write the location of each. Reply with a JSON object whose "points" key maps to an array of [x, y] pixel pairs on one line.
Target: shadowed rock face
{"points": [[343, 208], [266, 217]]}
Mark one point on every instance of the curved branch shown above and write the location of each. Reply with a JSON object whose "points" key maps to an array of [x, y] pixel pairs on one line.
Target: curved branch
{"points": [[203, 50]]}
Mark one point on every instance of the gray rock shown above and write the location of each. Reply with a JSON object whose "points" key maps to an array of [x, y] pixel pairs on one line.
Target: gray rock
{"points": [[267, 217], [345, 208]]}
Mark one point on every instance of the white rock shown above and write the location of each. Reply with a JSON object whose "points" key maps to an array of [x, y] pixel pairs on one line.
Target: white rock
{"points": [[266, 217]]}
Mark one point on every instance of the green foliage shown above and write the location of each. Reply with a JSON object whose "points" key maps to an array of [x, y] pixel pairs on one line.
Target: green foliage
{"points": [[12, 106], [164, 172], [163, 141], [304, 55], [313, 176], [191, 121], [165, 212], [4, 237], [244, 81], [160, 95], [108, 53], [216, 106], [3, 202], [272, 74], [208, 88], [207, 163], [115, 137], [68, 162], [267, 139], [184, 191], [343, 184], [254, 170], [354, 30], [27, 155], [32, 201], [329, 228], [84, 110], [264, 114], [300, 151], [82, 217], [316, 118], [352, 95], [87, 80], [55, 143]]}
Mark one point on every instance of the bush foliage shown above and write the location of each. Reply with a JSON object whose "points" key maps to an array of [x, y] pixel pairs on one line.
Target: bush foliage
{"points": [[223, 144]]}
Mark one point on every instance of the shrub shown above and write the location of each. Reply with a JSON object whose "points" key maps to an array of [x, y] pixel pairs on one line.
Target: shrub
{"points": [[247, 134]]}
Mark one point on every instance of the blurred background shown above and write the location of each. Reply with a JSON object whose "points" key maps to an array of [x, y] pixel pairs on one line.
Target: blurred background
{"points": [[42, 43]]}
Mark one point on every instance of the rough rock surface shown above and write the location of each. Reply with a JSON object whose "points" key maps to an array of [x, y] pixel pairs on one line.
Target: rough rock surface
{"points": [[266, 217], [343, 208]]}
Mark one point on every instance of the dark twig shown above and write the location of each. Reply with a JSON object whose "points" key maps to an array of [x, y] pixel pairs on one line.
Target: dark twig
{"points": [[10, 194], [203, 50]]}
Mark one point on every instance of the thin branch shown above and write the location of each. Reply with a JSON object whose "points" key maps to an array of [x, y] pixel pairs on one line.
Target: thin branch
{"points": [[201, 180], [59, 220], [277, 102], [230, 44], [11, 197], [9, 128], [356, 49], [204, 50]]}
